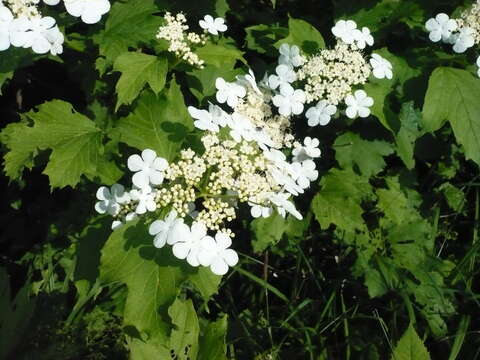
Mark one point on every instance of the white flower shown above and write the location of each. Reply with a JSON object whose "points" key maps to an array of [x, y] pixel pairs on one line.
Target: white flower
{"points": [[309, 150], [90, 11], [204, 119], [164, 230], [305, 173], [19, 32], [358, 104], [219, 117], [6, 18], [213, 26], [241, 127], [290, 55], [262, 139], [320, 113], [259, 210], [363, 37], [345, 30], [188, 242], [440, 27], [286, 179], [382, 68], [289, 101], [229, 92], [248, 80], [110, 199], [463, 40], [37, 33], [56, 39], [216, 253], [280, 200], [145, 198], [478, 65], [285, 75], [148, 168]]}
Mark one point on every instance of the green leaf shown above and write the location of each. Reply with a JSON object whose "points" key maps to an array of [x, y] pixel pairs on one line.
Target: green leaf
{"points": [[262, 38], [212, 342], [304, 35], [222, 54], [351, 151], [128, 24], [75, 141], [454, 196], [201, 82], [159, 123], [410, 347], [184, 337], [409, 132], [268, 231], [153, 278], [138, 69], [381, 109], [452, 95], [339, 199]]}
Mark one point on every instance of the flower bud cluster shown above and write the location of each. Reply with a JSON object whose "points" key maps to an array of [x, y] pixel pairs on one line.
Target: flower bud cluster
{"points": [[333, 73], [180, 41]]}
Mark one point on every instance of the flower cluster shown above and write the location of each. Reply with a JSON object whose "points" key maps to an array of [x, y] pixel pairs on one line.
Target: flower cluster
{"points": [[329, 78], [244, 162], [181, 42], [462, 33], [22, 25]]}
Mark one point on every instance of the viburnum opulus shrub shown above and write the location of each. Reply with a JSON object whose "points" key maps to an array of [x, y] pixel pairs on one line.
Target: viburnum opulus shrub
{"points": [[241, 180]]}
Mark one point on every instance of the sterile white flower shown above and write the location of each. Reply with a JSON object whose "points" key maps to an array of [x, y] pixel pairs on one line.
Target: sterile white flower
{"points": [[262, 139], [188, 242], [363, 37], [90, 11], [20, 34], [259, 210], [204, 119], [306, 172], [145, 198], [478, 65], [216, 254], [382, 68], [213, 26], [440, 27], [229, 92], [110, 199], [219, 117], [345, 30], [290, 55], [320, 113], [37, 34], [148, 169], [280, 200], [6, 18], [310, 150], [463, 40], [285, 75], [358, 104], [248, 80], [241, 127], [289, 101], [286, 178], [164, 230], [56, 39]]}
